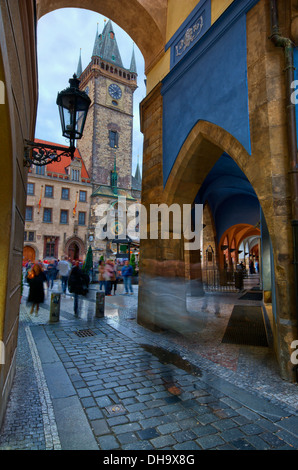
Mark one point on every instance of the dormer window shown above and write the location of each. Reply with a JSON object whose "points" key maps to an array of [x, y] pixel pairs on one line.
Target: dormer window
{"points": [[75, 174]]}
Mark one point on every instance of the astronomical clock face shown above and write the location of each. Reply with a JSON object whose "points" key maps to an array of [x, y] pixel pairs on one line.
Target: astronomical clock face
{"points": [[117, 229], [115, 91]]}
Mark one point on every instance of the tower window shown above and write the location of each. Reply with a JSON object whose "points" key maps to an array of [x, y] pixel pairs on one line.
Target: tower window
{"points": [[114, 139]]}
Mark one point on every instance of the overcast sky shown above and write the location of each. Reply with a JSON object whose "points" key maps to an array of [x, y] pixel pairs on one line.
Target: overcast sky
{"points": [[60, 36]]}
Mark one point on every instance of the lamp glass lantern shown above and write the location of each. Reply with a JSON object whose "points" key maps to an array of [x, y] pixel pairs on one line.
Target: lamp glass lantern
{"points": [[73, 108]]}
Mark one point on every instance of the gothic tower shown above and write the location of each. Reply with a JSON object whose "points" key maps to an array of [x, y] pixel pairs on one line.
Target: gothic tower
{"points": [[109, 125]]}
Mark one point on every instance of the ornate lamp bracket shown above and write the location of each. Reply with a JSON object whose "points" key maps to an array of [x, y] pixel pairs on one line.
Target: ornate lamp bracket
{"points": [[43, 154]]}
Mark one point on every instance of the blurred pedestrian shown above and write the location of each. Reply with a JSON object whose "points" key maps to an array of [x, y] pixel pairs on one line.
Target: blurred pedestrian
{"points": [[101, 270], [36, 278], [77, 284], [51, 274], [114, 279], [108, 276], [63, 268], [251, 267], [127, 273]]}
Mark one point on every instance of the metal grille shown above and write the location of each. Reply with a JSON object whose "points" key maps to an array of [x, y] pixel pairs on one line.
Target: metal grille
{"points": [[219, 280], [84, 333]]}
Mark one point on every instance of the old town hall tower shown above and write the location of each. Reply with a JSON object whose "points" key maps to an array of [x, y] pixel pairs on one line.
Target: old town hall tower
{"points": [[108, 131], [106, 147]]}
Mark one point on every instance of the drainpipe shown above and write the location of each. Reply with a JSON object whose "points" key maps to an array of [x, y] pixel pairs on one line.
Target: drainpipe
{"points": [[288, 47]]}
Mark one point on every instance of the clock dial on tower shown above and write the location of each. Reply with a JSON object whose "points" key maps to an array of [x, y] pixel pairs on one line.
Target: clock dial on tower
{"points": [[115, 91]]}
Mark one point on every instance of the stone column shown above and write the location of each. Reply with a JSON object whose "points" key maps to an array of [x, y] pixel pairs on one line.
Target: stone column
{"points": [[268, 169], [162, 287], [265, 261]]}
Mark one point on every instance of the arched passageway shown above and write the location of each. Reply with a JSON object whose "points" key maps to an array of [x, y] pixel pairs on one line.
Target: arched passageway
{"points": [[210, 169]]}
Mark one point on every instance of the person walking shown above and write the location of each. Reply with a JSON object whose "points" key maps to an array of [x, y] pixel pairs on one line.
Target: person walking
{"points": [[77, 285], [251, 267], [102, 281], [115, 277], [52, 273], [108, 275], [36, 277], [63, 268], [127, 273]]}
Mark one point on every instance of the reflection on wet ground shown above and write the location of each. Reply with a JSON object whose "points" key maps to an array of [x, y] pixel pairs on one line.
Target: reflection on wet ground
{"points": [[169, 357]]}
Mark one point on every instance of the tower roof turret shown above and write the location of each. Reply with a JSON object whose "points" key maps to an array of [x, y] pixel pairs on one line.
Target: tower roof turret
{"points": [[80, 68], [133, 65], [106, 46]]}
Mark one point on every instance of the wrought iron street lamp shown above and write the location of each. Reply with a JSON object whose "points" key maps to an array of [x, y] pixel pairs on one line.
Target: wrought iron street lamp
{"points": [[73, 108]]}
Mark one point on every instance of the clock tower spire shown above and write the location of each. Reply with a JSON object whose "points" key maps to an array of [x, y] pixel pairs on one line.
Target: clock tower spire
{"points": [[110, 118]]}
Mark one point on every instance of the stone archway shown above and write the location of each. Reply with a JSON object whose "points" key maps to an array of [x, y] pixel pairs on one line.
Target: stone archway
{"points": [[204, 145], [75, 248], [73, 252], [29, 253], [133, 16], [202, 148]]}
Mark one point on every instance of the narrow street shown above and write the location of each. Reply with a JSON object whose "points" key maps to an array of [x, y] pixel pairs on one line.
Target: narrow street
{"points": [[109, 384]]}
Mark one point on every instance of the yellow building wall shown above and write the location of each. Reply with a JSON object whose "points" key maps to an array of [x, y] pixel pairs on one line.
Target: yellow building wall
{"points": [[17, 118], [5, 197], [178, 11], [218, 7]]}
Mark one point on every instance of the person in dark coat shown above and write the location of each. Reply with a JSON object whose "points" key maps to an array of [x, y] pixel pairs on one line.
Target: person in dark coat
{"points": [[127, 272], [78, 283], [36, 277]]}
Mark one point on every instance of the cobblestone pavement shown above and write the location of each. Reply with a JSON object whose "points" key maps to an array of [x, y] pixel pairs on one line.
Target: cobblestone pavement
{"points": [[88, 383]]}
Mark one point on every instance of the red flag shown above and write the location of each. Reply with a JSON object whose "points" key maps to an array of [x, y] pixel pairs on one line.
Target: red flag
{"points": [[39, 202], [75, 207]]}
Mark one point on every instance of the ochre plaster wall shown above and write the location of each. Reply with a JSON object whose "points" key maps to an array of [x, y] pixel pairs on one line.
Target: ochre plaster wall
{"points": [[17, 117]]}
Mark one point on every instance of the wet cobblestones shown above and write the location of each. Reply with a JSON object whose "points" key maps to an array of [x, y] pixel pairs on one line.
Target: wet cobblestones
{"points": [[124, 390], [23, 427]]}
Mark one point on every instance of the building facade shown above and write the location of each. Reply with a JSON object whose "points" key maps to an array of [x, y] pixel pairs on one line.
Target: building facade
{"points": [[57, 210]]}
